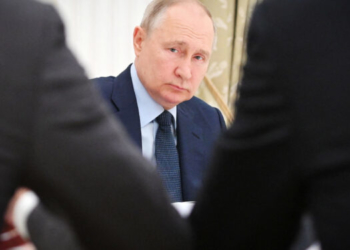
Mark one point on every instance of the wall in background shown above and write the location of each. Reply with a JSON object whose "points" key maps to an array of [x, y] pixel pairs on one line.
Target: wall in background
{"points": [[99, 32]]}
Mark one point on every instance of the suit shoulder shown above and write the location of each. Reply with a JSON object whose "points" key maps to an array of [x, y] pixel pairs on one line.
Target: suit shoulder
{"points": [[197, 103], [103, 81], [104, 85], [203, 111]]}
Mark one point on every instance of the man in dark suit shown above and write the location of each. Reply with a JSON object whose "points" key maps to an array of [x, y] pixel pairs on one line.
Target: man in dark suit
{"points": [[58, 139], [288, 150], [169, 67], [197, 126]]}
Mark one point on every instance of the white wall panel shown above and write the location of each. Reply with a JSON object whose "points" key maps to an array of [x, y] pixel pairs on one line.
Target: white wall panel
{"points": [[99, 32]]}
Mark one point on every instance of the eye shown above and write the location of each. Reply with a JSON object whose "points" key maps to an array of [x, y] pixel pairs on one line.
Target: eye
{"points": [[174, 50], [199, 58]]}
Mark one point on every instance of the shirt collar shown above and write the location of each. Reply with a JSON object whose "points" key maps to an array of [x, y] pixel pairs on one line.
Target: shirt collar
{"points": [[148, 108]]}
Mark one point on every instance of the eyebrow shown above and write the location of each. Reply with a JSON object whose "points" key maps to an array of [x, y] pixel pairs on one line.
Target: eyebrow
{"points": [[182, 43]]}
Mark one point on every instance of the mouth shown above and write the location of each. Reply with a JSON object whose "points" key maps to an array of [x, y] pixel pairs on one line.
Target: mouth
{"points": [[176, 87]]}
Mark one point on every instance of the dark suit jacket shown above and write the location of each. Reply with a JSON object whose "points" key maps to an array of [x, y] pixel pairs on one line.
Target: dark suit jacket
{"points": [[57, 138], [198, 126], [288, 150]]}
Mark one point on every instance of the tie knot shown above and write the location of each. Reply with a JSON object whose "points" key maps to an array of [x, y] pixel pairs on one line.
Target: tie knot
{"points": [[164, 119]]}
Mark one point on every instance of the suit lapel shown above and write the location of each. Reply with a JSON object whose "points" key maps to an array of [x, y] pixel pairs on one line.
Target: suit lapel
{"points": [[191, 150], [123, 97]]}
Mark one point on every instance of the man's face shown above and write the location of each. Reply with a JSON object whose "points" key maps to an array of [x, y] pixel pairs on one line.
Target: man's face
{"points": [[173, 58]]}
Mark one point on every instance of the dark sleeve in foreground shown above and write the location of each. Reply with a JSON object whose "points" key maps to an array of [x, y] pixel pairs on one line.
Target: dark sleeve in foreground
{"points": [[84, 166], [50, 232], [250, 199]]}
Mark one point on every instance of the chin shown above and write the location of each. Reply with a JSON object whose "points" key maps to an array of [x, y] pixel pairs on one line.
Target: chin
{"points": [[169, 104], [171, 99]]}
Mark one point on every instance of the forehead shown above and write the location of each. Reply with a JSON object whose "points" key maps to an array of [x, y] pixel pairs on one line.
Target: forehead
{"points": [[186, 24]]}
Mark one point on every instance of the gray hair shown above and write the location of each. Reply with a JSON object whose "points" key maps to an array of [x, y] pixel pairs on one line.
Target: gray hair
{"points": [[155, 10]]}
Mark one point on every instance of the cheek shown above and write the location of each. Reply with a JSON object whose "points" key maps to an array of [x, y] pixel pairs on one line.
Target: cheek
{"points": [[165, 71]]}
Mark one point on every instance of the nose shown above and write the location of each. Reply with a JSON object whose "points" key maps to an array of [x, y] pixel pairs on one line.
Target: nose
{"points": [[184, 70]]}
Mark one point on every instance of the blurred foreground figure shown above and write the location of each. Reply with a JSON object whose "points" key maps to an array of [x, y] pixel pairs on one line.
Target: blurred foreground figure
{"points": [[57, 138], [288, 150]]}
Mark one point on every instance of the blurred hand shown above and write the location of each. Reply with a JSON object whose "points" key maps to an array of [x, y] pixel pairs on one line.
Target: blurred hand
{"points": [[9, 236], [9, 212]]}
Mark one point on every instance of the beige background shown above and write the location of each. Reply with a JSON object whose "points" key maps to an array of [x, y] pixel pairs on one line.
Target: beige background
{"points": [[225, 70]]}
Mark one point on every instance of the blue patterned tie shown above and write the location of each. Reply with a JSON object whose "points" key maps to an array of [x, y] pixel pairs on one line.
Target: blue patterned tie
{"points": [[167, 157]]}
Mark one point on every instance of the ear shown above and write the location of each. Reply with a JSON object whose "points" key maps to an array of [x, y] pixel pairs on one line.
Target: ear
{"points": [[139, 36]]}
